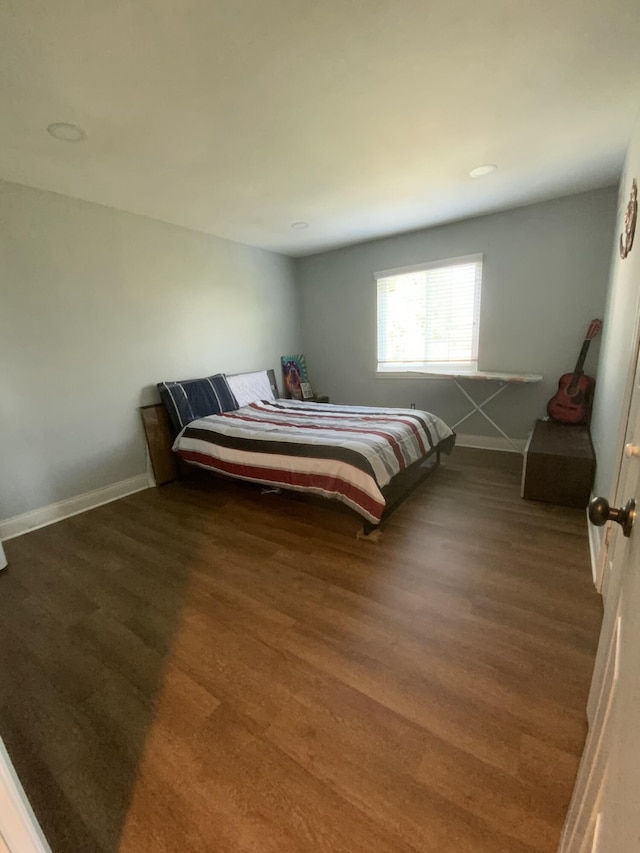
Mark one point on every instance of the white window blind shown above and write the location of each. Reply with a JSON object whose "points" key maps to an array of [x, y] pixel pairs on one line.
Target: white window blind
{"points": [[428, 316]]}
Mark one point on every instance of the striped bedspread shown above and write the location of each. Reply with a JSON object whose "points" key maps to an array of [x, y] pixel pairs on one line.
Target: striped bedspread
{"points": [[348, 453]]}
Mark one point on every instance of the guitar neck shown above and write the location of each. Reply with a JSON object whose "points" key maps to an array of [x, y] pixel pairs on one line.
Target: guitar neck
{"points": [[581, 359]]}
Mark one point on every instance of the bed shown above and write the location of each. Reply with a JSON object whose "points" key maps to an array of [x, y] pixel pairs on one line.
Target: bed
{"points": [[365, 457]]}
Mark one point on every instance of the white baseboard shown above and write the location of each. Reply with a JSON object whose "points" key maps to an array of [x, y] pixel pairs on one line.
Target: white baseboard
{"points": [[19, 524], [490, 442]]}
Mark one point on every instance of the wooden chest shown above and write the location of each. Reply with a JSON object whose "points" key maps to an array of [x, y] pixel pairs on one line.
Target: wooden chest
{"points": [[559, 464]]}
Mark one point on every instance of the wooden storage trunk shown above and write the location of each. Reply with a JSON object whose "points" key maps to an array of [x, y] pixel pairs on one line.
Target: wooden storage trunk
{"points": [[559, 464]]}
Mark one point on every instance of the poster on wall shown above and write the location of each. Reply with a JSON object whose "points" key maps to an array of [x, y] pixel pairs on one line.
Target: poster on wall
{"points": [[630, 218], [294, 372]]}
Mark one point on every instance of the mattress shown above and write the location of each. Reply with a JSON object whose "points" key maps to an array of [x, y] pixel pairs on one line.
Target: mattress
{"points": [[349, 453]]}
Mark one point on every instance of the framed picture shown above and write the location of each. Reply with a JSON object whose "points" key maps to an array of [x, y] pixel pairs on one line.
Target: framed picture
{"points": [[294, 372], [307, 391]]}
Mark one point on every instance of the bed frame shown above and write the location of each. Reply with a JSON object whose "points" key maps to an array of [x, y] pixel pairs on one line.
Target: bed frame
{"points": [[404, 482], [166, 467]]}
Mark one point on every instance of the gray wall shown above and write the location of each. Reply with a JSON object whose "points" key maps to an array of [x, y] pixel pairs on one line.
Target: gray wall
{"points": [[619, 344], [544, 278], [95, 307]]}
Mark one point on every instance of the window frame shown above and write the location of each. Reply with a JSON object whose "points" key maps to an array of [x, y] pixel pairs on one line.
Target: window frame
{"points": [[434, 368]]}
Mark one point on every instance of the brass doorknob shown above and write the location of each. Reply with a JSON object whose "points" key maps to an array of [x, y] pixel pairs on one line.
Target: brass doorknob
{"points": [[600, 512]]}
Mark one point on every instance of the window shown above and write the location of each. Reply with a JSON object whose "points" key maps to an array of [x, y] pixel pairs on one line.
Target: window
{"points": [[428, 317]]}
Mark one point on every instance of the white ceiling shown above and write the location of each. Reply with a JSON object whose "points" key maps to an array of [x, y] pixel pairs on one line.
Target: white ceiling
{"points": [[361, 117]]}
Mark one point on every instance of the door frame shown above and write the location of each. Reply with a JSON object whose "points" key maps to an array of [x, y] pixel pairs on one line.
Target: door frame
{"points": [[19, 827]]}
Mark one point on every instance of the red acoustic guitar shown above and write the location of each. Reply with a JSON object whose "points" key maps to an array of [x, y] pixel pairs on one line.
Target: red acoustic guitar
{"points": [[571, 404]]}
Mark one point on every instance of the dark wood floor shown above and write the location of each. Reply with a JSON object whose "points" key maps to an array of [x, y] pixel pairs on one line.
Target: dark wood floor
{"points": [[202, 668]]}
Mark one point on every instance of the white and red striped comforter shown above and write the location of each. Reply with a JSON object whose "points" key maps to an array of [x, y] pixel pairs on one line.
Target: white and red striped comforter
{"points": [[345, 452]]}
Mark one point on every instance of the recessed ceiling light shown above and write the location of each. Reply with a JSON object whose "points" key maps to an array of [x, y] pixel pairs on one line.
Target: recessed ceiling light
{"points": [[480, 171], [66, 132], [299, 225]]}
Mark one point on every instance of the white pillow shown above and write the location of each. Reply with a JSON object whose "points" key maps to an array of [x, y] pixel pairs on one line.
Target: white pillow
{"points": [[249, 387]]}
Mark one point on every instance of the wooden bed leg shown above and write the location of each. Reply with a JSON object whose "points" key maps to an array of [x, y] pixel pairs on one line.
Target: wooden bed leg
{"points": [[394, 497], [370, 532]]}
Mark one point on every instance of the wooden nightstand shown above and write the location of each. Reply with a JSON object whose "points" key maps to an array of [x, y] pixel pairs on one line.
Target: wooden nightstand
{"points": [[319, 398], [559, 464], [157, 430]]}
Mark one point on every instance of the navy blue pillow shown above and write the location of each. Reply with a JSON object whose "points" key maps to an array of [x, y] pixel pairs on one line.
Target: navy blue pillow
{"points": [[224, 394], [196, 398]]}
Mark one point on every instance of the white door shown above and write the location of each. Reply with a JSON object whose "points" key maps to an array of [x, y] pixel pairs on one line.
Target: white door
{"points": [[604, 816]]}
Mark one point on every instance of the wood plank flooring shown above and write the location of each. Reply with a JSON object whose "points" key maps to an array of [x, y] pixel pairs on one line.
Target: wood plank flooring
{"points": [[203, 668]]}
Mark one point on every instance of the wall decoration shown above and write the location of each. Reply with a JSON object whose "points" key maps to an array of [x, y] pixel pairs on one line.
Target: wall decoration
{"points": [[307, 390], [294, 371], [630, 217]]}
